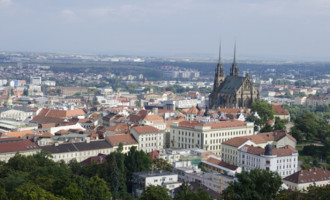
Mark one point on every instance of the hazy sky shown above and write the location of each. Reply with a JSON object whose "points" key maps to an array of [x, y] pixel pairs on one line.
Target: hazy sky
{"points": [[277, 29]]}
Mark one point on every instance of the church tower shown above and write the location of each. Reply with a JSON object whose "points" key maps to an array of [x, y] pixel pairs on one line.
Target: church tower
{"points": [[219, 73], [234, 68]]}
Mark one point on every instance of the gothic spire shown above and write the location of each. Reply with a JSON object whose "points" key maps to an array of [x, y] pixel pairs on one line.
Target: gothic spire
{"points": [[220, 70], [234, 68]]}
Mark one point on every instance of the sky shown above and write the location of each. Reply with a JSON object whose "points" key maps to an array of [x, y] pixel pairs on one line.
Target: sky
{"points": [[263, 29]]}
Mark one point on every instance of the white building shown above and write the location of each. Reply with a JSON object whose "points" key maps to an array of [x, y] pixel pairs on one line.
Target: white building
{"points": [[148, 137], [141, 180], [207, 135], [35, 81], [282, 160], [79, 151]]}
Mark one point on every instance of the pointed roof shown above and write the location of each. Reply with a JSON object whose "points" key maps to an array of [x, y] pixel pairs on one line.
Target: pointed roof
{"points": [[192, 110], [234, 68]]}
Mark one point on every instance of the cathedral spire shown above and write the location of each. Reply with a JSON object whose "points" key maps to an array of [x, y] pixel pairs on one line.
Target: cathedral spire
{"points": [[219, 72], [234, 68]]}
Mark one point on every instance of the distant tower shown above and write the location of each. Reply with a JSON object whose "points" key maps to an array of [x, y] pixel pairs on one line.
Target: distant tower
{"points": [[234, 68], [219, 73]]}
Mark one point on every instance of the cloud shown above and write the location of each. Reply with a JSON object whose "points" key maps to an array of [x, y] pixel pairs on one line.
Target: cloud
{"points": [[5, 3], [69, 15]]}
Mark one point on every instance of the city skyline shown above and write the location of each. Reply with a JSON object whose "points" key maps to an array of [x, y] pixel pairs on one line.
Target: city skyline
{"points": [[264, 30]]}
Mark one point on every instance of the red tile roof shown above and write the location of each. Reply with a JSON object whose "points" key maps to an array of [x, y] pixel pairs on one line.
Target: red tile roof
{"points": [[121, 128], [146, 129], [214, 125], [16, 145], [279, 110], [156, 119], [259, 138], [279, 152], [309, 176], [192, 110], [99, 159], [221, 163], [125, 139]]}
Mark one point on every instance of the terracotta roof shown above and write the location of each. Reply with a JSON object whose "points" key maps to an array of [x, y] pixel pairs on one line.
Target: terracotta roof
{"points": [[146, 129], [99, 159], [279, 110], [236, 142], [18, 134], [192, 110], [279, 152], [168, 122], [119, 128], [215, 125], [125, 139], [221, 163], [52, 113], [259, 138], [154, 154], [134, 118], [16, 145], [156, 119], [309, 176], [269, 136]]}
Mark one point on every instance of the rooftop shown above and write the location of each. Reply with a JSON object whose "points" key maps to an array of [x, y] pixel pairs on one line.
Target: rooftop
{"points": [[309, 176]]}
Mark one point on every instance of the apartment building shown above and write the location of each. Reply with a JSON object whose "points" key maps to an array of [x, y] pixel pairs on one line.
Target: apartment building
{"points": [[207, 135], [277, 139], [148, 137], [282, 160]]}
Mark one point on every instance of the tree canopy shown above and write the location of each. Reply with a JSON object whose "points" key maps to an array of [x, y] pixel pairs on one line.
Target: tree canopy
{"points": [[264, 110], [254, 185]]}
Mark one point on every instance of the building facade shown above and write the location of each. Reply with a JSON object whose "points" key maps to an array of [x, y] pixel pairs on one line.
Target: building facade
{"points": [[148, 137], [283, 160], [207, 135]]}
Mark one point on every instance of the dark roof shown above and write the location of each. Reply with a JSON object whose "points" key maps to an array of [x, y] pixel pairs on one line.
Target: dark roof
{"points": [[309, 176], [231, 84], [81, 146]]}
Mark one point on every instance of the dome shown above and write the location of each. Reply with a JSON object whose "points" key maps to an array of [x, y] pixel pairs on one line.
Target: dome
{"points": [[268, 150]]}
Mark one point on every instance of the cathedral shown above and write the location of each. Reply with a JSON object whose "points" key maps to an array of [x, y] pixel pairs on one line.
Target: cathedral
{"points": [[233, 91]]}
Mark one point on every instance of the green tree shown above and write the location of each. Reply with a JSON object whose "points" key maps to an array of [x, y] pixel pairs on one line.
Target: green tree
{"points": [[161, 164], [256, 120], [98, 189], [136, 161], [266, 128], [279, 124], [73, 192], [30, 191], [264, 110], [254, 185], [185, 194], [155, 193], [3, 192]]}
